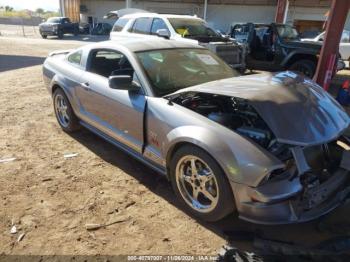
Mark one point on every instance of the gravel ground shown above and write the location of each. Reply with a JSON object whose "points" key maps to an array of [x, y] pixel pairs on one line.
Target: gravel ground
{"points": [[51, 198]]}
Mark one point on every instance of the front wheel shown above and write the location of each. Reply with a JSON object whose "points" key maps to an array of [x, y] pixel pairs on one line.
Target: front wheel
{"points": [[200, 184], [304, 67], [60, 34], [64, 112], [76, 32], [44, 36]]}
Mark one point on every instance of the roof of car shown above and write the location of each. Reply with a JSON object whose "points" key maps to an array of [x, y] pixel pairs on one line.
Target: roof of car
{"points": [[159, 15], [137, 45]]}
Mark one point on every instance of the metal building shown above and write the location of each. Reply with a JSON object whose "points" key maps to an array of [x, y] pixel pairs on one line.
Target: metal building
{"points": [[306, 15]]}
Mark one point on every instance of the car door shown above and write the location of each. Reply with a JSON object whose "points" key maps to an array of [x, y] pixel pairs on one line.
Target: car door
{"points": [[117, 113], [66, 25]]}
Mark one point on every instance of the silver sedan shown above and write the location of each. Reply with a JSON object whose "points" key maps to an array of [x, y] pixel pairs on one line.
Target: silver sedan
{"points": [[271, 147]]}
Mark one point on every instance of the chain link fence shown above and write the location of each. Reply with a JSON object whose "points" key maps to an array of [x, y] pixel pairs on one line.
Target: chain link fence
{"points": [[16, 26]]}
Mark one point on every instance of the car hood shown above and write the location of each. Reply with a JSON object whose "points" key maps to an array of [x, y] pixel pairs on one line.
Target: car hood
{"points": [[297, 110]]}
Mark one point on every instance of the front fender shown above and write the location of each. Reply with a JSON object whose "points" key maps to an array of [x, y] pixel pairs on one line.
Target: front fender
{"points": [[285, 61], [241, 160]]}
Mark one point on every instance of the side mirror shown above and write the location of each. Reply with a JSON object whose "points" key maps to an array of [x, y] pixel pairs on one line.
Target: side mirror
{"points": [[122, 82], [163, 33]]}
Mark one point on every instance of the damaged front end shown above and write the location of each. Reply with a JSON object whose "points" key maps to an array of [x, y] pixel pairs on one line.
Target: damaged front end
{"points": [[315, 177], [314, 182]]}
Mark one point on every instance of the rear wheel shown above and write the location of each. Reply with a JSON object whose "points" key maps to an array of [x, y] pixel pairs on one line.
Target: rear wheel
{"points": [[200, 184], [305, 67], [64, 112]]}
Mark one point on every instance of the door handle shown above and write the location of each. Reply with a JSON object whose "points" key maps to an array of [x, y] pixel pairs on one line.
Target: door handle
{"points": [[86, 86]]}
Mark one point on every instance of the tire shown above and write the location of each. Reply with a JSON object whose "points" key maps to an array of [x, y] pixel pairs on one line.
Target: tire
{"points": [[44, 36], [242, 70], [305, 67], [65, 117], [210, 177], [76, 32], [60, 34]]}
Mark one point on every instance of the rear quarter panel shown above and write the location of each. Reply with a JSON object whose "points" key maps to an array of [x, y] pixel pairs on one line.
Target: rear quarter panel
{"points": [[58, 72]]}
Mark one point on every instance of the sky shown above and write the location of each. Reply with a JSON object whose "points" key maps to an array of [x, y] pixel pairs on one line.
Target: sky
{"points": [[50, 5]]}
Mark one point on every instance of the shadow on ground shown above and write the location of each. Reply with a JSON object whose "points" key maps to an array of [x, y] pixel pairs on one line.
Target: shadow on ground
{"points": [[12, 62], [281, 239]]}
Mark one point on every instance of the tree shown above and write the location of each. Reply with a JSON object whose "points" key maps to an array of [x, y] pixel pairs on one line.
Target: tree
{"points": [[40, 11], [8, 8]]}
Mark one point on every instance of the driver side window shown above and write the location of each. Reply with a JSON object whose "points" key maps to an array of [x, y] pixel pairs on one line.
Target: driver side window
{"points": [[240, 33], [108, 63], [158, 24]]}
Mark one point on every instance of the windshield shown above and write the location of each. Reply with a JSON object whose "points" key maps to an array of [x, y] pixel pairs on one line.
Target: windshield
{"points": [[53, 20], [170, 70], [287, 32], [187, 27]]}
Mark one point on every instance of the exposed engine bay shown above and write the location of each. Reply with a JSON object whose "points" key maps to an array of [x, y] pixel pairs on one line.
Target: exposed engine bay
{"points": [[236, 114], [315, 165]]}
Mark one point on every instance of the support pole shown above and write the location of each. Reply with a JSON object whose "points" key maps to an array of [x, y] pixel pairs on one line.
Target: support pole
{"points": [[127, 3], [330, 49], [281, 11], [62, 11], [205, 9]]}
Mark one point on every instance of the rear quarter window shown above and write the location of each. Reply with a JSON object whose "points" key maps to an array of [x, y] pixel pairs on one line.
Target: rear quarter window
{"points": [[75, 58], [142, 25], [119, 25]]}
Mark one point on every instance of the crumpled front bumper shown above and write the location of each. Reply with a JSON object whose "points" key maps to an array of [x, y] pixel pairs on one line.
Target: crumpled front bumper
{"points": [[285, 201]]}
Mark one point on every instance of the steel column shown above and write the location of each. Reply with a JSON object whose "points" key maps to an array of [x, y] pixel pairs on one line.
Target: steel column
{"points": [[62, 11], [281, 11], [205, 9], [330, 49]]}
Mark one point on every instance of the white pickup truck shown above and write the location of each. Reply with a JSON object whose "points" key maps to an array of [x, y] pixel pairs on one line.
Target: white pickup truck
{"points": [[344, 46]]}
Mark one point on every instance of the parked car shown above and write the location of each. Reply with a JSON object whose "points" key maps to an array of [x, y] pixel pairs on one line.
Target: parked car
{"points": [[184, 28], [271, 146], [58, 26], [344, 46], [277, 47]]}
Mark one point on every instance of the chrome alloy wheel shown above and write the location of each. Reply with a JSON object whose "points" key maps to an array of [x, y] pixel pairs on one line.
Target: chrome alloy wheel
{"points": [[61, 109], [197, 184]]}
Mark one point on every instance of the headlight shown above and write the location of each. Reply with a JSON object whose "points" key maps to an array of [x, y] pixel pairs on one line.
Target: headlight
{"points": [[55, 27]]}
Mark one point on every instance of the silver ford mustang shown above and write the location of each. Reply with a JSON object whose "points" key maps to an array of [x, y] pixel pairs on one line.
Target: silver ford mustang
{"points": [[273, 147]]}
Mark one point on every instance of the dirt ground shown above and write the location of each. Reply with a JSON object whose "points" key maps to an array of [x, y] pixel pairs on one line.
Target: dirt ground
{"points": [[51, 198]]}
